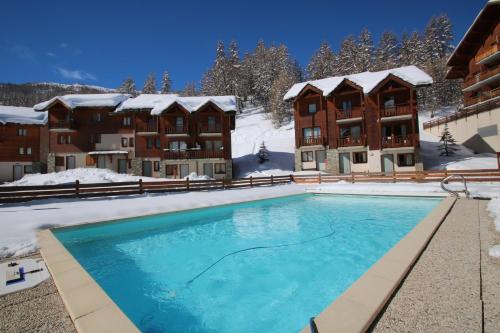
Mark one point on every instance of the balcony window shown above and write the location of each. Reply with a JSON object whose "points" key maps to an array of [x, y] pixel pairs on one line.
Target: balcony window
{"points": [[21, 151], [158, 143], [347, 105], [213, 145], [406, 160], [307, 156], [359, 157], [61, 139], [28, 151], [179, 123], [177, 145], [312, 108], [389, 102], [312, 132], [124, 142], [22, 132], [127, 121], [211, 122], [220, 168], [149, 143]]}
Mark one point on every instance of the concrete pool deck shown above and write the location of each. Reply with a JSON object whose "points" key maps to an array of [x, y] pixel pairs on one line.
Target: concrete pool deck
{"points": [[409, 310]]}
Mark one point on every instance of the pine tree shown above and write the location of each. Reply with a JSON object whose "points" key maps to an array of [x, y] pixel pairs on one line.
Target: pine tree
{"points": [[387, 53], [189, 89], [150, 85], [412, 50], [347, 55], [438, 38], [166, 83], [281, 111], [448, 146], [364, 57], [215, 81], [322, 63], [263, 154], [128, 87]]}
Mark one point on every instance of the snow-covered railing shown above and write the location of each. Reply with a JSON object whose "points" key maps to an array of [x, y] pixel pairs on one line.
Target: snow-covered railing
{"points": [[79, 190]]}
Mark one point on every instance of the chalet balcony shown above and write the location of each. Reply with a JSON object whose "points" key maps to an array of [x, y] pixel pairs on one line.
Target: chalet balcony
{"points": [[487, 96], [192, 154], [396, 141], [350, 141], [356, 112], [62, 125], [146, 128], [397, 110], [312, 141], [481, 79], [488, 56], [176, 130], [210, 128]]}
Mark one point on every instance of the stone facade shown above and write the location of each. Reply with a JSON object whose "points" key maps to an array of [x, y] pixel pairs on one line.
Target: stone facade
{"points": [[137, 166], [51, 162]]}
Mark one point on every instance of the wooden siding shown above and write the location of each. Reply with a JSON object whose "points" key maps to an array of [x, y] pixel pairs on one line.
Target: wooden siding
{"points": [[10, 142]]}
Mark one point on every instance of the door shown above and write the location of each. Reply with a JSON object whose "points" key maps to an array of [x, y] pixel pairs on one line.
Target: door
{"points": [[18, 172], [388, 163], [147, 169], [184, 170], [101, 162], [320, 160], [344, 163], [208, 170], [122, 166], [70, 162]]}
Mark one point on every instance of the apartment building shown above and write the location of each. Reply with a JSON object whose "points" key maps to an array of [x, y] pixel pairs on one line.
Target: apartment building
{"points": [[366, 122]]}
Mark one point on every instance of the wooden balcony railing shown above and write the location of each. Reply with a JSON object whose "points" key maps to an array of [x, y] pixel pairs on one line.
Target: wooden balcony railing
{"points": [[312, 141], [205, 128], [150, 128], [176, 130], [485, 96], [350, 141], [397, 110], [486, 74], [61, 124], [356, 112], [192, 154], [492, 50], [397, 141]]}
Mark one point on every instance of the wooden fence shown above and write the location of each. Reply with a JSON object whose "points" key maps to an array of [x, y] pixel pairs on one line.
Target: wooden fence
{"points": [[480, 175], [78, 190]]}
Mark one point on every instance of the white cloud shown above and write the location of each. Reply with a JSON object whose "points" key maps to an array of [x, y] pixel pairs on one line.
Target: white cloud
{"points": [[51, 54], [75, 74]]}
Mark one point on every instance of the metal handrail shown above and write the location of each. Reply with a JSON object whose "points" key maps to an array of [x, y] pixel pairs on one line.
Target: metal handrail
{"points": [[455, 193]]}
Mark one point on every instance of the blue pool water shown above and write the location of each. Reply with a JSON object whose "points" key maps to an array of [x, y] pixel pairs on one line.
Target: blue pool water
{"points": [[146, 264]]}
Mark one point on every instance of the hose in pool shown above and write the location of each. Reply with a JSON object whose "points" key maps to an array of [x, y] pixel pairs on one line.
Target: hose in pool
{"points": [[260, 248]]}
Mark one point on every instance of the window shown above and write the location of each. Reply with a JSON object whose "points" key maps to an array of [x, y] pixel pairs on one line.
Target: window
{"points": [[21, 150], [179, 123], [307, 156], [171, 170], [211, 121], [61, 139], [60, 161], [97, 117], [28, 151], [177, 145], [406, 160], [28, 169], [347, 105], [124, 142], [220, 168], [68, 139], [127, 121], [22, 132], [356, 132], [158, 143], [314, 132], [149, 143], [213, 145], [131, 142], [311, 108], [359, 157], [389, 102], [156, 165]]}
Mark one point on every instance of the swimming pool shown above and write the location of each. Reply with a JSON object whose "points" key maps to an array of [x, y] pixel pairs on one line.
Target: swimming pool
{"points": [[175, 272]]}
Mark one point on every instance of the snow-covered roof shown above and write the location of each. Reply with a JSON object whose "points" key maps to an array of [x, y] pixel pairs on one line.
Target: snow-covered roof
{"points": [[366, 80], [107, 152], [158, 103], [21, 115], [84, 100]]}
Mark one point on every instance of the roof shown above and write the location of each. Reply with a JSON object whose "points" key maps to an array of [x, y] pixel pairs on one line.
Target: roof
{"points": [[366, 80], [84, 100], [484, 21], [158, 103], [21, 115]]}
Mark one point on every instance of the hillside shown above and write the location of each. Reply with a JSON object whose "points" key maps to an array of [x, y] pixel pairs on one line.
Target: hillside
{"points": [[29, 94]]}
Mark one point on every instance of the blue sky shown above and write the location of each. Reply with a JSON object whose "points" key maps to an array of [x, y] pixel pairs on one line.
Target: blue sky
{"points": [[103, 42]]}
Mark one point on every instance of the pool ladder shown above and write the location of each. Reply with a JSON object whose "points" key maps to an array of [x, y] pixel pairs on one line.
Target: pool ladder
{"points": [[455, 192]]}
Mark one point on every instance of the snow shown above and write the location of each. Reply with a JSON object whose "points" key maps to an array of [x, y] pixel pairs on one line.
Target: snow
{"points": [[494, 209], [495, 251], [158, 103], [253, 127], [366, 80], [84, 175], [194, 176], [21, 115], [84, 100], [108, 152]]}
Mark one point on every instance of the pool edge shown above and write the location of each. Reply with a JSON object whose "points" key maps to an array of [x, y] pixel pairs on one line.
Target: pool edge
{"points": [[88, 305], [356, 309]]}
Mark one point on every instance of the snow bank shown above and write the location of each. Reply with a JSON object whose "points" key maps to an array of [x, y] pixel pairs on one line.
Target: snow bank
{"points": [[366, 80], [84, 175], [84, 100], [494, 209], [21, 115], [194, 176], [158, 103], [495, 251]]}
